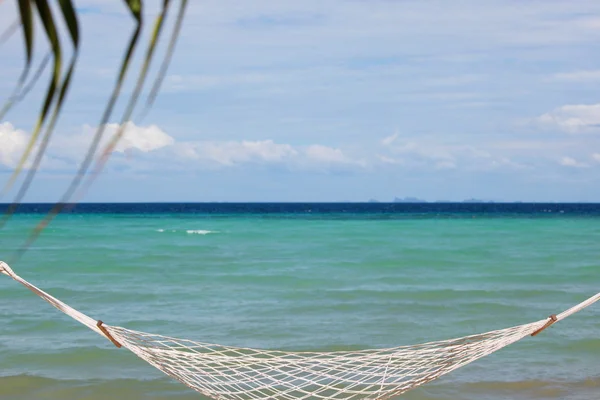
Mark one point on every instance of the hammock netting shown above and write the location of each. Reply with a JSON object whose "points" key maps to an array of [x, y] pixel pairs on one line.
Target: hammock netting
{"points": [[225, 372]]}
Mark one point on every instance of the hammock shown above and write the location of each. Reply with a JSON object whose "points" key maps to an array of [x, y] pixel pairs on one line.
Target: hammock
{"points": [[225, 372]]}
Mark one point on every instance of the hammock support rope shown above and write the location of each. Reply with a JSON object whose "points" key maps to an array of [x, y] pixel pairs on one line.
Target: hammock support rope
{"points": [[236, 373]]}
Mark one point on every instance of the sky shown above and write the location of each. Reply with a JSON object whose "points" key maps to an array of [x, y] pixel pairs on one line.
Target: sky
{"points": [[331, 101]]}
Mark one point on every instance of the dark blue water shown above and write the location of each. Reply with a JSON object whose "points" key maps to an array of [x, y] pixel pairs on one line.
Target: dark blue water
{"points": [[390, 209]]}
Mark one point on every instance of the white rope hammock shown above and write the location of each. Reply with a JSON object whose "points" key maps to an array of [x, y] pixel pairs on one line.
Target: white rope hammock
{"points": [[225, 372]]}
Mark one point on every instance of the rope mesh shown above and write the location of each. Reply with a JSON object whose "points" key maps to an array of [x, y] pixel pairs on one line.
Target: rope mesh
{"points": [[225, 372], [236, 373]]}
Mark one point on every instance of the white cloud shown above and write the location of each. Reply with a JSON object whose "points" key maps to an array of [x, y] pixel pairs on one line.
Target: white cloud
{"points": [[231, 153], [325, 154], [155, 147], [579, 76], [427, 153], [73, 147], [573, 119], [12, 144], [235, 153], [141, 138], [571, 162], [157, 150]]}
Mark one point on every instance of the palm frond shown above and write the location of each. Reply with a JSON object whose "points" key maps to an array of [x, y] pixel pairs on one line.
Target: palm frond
{"points": [[26, 22], [58, 89], [136, 8], [21, 92], [73, 26], [92, 149], [45, 14], [167, 60], [158, 25], [8, 32]]}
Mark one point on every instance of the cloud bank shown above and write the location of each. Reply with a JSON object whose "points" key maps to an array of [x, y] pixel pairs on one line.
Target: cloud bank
{"points": [[152, 147], [573, 119]]}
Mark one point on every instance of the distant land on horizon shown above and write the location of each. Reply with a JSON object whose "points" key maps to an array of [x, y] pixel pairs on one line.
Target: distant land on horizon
{"points": [[406, 200], [396, 200], [418, 200]]}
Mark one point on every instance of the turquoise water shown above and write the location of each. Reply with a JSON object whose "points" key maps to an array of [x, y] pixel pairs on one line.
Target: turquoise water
{"points": [[301, 283]]}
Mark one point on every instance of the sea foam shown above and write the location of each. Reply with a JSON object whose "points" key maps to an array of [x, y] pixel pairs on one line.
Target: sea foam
{"points": [[188, 231], [199, 231]]}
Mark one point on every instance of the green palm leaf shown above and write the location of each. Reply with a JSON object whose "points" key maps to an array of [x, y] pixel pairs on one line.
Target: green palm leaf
{"points": [[50, 28], [59, 86], [73, 26]]}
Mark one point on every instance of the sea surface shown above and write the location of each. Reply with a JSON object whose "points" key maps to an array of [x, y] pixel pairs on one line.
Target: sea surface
{"points": [[303, 277]]}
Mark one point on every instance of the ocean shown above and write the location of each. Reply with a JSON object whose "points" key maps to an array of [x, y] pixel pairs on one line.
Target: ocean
{"points": [[303, 277]]}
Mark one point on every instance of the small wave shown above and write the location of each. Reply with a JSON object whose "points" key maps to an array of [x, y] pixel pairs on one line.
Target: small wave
{"points": [[199, 231], [188, 231]]}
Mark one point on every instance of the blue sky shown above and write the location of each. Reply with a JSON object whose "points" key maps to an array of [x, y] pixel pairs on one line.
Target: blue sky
{"points": [[336, 101]]}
